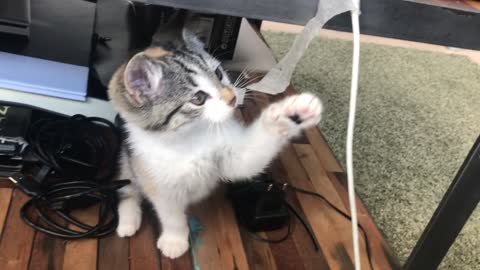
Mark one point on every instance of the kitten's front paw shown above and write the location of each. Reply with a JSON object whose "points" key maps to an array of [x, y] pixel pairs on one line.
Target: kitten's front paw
{"points": [[172, 246], [129, 217], [128, 226], [293, 113]]}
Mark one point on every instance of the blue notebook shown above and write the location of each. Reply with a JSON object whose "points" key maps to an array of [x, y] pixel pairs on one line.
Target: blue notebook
{"points": [[43, 77]]}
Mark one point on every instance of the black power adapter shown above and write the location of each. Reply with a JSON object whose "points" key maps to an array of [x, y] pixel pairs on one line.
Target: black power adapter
{"points": [[259, 204]]}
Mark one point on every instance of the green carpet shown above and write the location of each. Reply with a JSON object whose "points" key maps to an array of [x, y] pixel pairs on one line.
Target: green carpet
{"points": [[418, 115]]}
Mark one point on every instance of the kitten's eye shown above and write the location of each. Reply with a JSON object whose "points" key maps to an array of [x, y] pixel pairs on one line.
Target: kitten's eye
{"points": [[219, 74], [199, 98]]}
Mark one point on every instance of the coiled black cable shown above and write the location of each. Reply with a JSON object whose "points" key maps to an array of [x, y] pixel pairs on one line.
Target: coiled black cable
{"points": [[81, 153], [78, 147], [60, 199]]}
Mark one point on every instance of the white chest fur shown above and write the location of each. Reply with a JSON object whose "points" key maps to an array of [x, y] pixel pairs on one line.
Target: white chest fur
{"points": [[185, 163]]}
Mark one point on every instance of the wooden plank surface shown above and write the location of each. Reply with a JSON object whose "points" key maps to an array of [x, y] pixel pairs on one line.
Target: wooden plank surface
{"points": [[259, 253], [229, 242], [17, 237], [285, 253], [325, 222], [184, 262], [5, 198], [473, 3], [143, 246], [113, 253], [322, 150], [82, 254], [220, 244], [311, 259], [317, 174], [206, 253], [322, 185], [47, 252]]}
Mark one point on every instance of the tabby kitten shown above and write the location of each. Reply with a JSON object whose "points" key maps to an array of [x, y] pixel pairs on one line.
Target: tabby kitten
{"points": [[182, 137]]}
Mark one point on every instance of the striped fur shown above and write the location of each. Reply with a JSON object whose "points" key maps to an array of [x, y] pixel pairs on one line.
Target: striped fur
{"points": [[169, 108]]}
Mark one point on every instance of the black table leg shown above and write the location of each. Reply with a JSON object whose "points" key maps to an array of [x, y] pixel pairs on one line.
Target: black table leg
{"points": [[451, 215]]}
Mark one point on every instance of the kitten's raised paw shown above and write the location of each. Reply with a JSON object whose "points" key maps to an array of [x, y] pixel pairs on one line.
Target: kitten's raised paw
{"points": [[294, 113], [172, 246]]}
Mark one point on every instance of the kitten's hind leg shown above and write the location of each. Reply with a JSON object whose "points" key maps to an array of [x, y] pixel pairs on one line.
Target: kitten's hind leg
{"points": [[129, 207]]}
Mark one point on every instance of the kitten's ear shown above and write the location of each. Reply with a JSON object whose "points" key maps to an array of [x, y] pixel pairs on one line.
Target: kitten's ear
{"points": [[142, 79]]}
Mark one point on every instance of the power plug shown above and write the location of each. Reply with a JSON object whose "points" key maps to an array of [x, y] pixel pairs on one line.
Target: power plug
{"points": [[259, 204]]}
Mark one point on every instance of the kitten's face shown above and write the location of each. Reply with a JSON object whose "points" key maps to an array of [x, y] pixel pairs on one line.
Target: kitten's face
{"points": [[166, 87]]}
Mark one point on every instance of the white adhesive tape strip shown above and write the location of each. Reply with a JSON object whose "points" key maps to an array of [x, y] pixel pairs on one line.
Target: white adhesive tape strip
{"points": [[278, 79]]}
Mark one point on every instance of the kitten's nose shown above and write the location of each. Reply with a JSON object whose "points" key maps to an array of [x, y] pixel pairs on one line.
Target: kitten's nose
{"points": [[228, 95]]}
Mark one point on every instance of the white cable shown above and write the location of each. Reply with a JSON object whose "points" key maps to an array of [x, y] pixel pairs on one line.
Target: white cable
{"points": [[351, 124]]}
